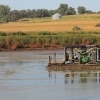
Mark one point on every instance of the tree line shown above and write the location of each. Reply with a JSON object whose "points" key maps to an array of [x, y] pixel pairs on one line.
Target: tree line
{"points": [[8, 15]]}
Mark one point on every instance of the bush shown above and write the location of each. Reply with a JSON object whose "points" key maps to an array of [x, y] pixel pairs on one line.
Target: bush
{"points": [[19, 33], [76, 28], [3, 34], [97, 25]]}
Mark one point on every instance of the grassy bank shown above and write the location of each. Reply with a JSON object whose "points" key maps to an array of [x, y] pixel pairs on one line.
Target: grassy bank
{"points": [[46, 33], [46, 40]]}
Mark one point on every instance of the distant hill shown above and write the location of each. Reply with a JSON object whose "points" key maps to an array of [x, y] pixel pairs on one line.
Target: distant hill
{"points": [[86, 22]]}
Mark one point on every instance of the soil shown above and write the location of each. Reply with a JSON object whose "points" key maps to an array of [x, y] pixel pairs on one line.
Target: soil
{"points": [[31, 49]]}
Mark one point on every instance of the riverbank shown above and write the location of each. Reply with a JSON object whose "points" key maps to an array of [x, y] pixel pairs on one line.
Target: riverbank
{"points": [[46, 40], [32, 49]]}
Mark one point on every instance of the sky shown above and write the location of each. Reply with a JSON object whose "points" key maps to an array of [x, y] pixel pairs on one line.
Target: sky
{"points": [[93, 5]]}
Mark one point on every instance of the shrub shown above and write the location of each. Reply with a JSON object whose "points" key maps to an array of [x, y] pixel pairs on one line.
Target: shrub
{"points": [[76, 28], [97, 25], [3, 34], [19, 33]]}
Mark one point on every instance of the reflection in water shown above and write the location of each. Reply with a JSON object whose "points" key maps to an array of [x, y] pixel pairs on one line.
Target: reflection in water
{"points": [[50, 74], [82, 77], [77, 77]]}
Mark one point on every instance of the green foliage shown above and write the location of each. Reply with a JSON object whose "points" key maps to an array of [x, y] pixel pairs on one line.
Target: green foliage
{"points": [[3, 34], [19, 33], [49, 38], [44, 33], [4, 11], [6, 15], [81, 10], [71, 11], [62, 9]]}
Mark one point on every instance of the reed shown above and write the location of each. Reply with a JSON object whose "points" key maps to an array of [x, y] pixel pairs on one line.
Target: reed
{"points": [[47, 39]]}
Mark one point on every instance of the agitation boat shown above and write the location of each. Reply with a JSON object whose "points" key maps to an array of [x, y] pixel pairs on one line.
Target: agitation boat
{"points": [[78, 58]]}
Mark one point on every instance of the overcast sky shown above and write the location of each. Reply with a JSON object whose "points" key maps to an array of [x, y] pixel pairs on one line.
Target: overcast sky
{"points": [[93, 5]]}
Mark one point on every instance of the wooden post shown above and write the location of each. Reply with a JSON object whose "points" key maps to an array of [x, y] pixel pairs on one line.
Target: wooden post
{"points": [[55, 57], [49, 60]]}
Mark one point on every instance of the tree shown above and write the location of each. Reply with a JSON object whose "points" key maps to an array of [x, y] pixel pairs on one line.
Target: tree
{"points": [[81, 10], [71, 11], [62, 9], [33, 13], [98, 12], [89, 12], [45, 13], [14, 15], [42, 13], [51, 12], [23, 13], [4, 11]]}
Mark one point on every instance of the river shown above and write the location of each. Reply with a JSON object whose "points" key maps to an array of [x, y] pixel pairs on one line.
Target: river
{"points": [[23, 76]]}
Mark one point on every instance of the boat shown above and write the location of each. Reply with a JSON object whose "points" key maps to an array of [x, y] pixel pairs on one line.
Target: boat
{"points": [[77, 58]]}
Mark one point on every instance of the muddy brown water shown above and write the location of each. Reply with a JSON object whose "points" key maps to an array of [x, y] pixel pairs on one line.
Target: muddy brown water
{"points": [[23, 76]]}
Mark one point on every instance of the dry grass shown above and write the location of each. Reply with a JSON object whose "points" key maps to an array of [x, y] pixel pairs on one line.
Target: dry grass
{"points": [[86, 22]]}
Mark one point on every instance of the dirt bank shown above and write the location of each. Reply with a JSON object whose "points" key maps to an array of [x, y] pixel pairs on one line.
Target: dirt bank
{"points": [[31, 49]]}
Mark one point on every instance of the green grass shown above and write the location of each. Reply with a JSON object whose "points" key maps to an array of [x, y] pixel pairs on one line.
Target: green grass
{"points": [[67, 17]]}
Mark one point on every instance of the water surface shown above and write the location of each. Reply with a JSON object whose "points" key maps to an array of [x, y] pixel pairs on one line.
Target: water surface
{"points": [[23, 76]]}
